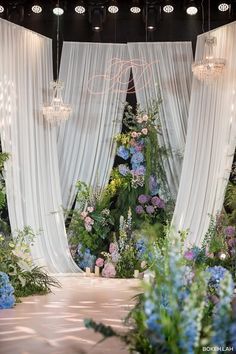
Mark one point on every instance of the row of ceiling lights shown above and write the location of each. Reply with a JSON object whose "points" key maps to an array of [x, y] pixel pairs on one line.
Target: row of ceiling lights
{"points": [[113, 7]]}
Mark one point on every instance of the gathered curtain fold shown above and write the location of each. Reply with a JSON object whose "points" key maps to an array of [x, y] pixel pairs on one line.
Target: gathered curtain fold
{"points": [[163, 70], [32, 174], [96, 79], [211, 141]]}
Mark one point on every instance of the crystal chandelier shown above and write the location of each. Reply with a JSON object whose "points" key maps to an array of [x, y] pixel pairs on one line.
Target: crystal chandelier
{"points": [[57, 111], [209, 68]]}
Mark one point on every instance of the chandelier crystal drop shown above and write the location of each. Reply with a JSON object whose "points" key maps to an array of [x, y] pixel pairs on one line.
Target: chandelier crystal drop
{"points": [[209, 68], [57, 112]]}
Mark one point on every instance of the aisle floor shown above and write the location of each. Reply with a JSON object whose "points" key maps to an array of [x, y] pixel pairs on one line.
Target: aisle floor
{"points": [[53, 324]]}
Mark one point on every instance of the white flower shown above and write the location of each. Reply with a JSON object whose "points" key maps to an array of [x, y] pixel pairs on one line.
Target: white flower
{"points": [[90, 209], [145, 118]]}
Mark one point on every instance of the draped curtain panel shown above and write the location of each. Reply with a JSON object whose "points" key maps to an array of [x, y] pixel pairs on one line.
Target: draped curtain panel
{"points": [[210, 142], [96, 80], [32, 174], [164, 70]]}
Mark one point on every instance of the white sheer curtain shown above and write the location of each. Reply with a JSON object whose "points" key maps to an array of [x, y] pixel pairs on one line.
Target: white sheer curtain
{"points": [[210, 142], [165, 69], [96, 79], [32, 175]]}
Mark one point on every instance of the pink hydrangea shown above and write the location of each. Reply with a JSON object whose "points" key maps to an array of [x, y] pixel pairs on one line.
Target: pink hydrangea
{"points": [[109, 271], [100, 262]]}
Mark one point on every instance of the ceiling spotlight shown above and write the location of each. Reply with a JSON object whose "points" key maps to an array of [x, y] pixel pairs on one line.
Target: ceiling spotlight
{"points": [[135, 8], [168, 7], [223, 6], [191, 8], [97, 15], [113, 8], [150, 17], [58, 11], [1, 9], [80, 8], [37, 9]]}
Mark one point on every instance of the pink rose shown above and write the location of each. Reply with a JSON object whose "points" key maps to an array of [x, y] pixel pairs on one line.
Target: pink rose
{"points": [[90, 209], [145, 118], [100, 262], [83, 214], [134, 134], [144, 131], [109, 271]]}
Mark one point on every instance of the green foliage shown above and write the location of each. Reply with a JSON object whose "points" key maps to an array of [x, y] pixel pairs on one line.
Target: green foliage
{"points": [[15, 260], [3, 158]]}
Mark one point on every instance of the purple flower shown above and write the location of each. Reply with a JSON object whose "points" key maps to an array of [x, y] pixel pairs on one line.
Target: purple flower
{"points": [[155, 201], [123, 152], [139, 170], [137, 158], [189, 255], [123, 169], [139, 209], [143, 198], [139, 147], [230, 231], [109, 271], [150, 209]]}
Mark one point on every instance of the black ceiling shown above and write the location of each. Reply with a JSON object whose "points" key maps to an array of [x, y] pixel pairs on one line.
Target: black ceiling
{"points": [[122, 27]]}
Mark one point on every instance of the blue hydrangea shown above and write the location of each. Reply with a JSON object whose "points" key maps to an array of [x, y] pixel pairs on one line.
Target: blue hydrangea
{"points": [[123, 169], [137, 158], [123, 152], [217, 273], [141, 248], [7, 299]]}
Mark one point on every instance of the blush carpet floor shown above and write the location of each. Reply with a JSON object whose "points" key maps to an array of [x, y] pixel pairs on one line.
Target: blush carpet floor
{"points": [[53, 324]]}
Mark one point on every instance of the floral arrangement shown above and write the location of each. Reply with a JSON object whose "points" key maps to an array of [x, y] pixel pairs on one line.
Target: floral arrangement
{"points": [[7, 299], [218, 248], [176, 313], [15, 260], [138, 183], [126, 254], [91, 225], [140, 170]]}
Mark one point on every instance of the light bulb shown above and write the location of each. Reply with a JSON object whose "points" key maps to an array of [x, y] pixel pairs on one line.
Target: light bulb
{"points": [[58, 11]]}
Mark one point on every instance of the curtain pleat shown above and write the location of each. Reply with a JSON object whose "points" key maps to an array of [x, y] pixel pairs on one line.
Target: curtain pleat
{"points": [[96, 81], [164, 70], [211, 141], [32, 174]]}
